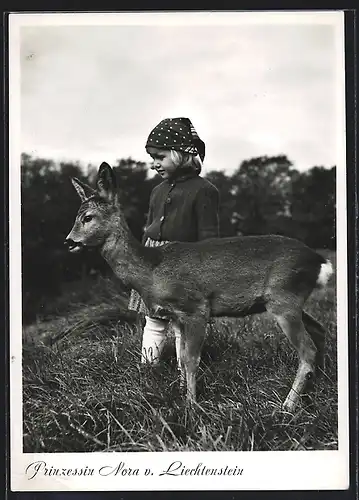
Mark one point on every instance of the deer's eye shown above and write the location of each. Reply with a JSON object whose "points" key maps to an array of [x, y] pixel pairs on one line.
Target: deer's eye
{"points": [[87, 218]]}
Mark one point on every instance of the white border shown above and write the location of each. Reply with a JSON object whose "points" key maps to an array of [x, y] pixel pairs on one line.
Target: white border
{"points": [[297, 470]]}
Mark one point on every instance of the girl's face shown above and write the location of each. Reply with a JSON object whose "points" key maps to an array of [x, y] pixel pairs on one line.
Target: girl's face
{"points": [[162, 162]]}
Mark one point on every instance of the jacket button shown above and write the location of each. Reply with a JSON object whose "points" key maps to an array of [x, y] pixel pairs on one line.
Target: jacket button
{"points": [[162, 218], [168, 200]]}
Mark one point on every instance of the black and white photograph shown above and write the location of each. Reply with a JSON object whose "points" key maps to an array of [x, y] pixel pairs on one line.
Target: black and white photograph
{"points": [[178, 251]]}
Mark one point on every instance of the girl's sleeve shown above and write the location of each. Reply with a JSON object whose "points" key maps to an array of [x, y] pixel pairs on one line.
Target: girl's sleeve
{"points": [[148, 218], [207, 208]]}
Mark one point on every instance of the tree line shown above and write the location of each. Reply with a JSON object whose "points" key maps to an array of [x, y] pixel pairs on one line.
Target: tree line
{"points": [[263, 195]]}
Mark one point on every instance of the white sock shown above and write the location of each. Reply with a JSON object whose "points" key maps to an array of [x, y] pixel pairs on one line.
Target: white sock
{"points": [[153, 340]]}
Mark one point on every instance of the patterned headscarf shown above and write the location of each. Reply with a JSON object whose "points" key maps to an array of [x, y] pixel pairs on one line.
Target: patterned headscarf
{"points": [[178, 134]]}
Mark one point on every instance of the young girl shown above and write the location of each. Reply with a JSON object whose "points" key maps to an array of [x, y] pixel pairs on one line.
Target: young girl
{"points": [[184, 207]]}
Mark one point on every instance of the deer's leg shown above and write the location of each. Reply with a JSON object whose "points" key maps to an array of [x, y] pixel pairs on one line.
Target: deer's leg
{"points": [[194, 332], [180, 347], [317, 333], [292, 325]]}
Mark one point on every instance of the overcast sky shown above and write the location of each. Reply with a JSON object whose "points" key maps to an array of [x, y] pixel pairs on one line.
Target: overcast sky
{"points": [[93, 93]]}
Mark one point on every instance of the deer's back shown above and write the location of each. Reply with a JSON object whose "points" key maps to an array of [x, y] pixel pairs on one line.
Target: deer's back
{"points": [[233, 274]]}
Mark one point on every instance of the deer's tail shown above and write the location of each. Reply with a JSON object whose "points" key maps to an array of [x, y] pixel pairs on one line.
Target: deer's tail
{"points": [[325, 272]]}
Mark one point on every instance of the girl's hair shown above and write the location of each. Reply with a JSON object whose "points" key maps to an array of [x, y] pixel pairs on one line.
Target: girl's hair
{"points": [[186, 161]]}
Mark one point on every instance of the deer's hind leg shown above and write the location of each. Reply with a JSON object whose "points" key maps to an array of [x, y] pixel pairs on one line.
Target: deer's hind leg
{"points": [[288, 314], [317, 333]]}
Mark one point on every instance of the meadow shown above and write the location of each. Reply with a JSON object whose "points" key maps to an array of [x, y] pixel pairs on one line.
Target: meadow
{"points": [[84, 389]]}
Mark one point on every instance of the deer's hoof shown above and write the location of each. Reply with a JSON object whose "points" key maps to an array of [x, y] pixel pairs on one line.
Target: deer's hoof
{"points": [[289, 405]]}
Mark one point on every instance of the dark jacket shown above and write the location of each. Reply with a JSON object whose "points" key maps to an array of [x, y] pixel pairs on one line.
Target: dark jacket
{"points": [[185, 209]]}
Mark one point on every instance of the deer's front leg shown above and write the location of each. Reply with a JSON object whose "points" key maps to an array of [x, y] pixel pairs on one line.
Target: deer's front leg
{"points": [[180, 346], [193, 334]]}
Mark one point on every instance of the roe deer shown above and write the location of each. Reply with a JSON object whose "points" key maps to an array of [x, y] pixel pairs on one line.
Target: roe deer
{"points": [[190, 282]]}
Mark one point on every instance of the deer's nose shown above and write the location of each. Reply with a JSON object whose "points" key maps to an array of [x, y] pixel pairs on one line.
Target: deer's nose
{"points": [[72, 245]]}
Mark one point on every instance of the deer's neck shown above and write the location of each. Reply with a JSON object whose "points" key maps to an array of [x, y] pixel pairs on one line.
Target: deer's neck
{"points": [[129, 259]]}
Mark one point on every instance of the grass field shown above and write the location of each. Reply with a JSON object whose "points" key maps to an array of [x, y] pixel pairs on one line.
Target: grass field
{"points": [[87, 391]]}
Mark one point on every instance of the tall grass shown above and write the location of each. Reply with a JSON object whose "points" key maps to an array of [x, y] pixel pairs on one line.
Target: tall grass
{"points": [[88, 392]]}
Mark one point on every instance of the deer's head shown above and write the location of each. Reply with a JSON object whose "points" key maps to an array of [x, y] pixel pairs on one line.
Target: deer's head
{"points": [[94, 220]]}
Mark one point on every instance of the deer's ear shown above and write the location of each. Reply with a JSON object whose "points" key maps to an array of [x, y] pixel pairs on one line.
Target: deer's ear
{"points": [[106, 182], [83, 190]]}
